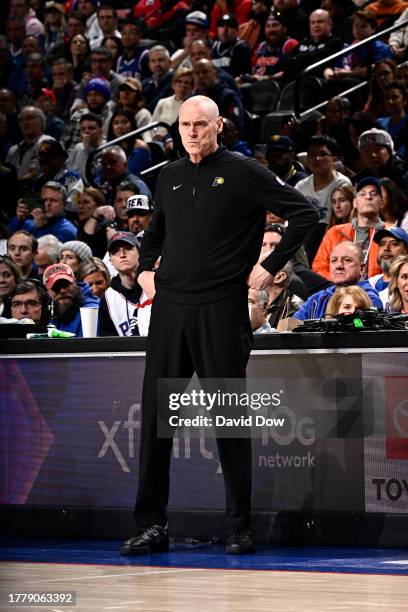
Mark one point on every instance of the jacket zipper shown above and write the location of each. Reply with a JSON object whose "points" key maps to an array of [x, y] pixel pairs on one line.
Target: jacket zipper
{"points": [[197, 170]]}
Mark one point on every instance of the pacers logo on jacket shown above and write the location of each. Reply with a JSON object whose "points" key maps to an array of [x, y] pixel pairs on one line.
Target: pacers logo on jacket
{"points": [[219, 180]]}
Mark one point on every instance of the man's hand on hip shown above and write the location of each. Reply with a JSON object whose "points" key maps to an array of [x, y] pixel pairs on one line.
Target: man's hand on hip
{"points": [[146, 281], [259, 278]]}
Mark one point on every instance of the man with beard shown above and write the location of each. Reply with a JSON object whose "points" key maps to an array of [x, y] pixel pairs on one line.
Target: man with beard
{"points": [[280, 156], [118, 304], [229, 51], [139, 211], [68, 296], [392, 242], [269, 54]]}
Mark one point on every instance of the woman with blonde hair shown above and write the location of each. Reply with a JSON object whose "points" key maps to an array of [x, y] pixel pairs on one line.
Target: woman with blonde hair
{"points": [[94, 272], [341, 201], [345, 300], [398, 287]]}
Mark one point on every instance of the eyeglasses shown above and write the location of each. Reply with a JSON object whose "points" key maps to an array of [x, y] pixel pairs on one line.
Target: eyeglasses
{"points": [[26, 304]]}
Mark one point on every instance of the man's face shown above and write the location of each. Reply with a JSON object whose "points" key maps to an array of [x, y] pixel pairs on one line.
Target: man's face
{"points": [[86, 8], [130, 36], [34, 71], [74, 27], [95, 100], [227, 33], [138, 222], [204, 75], [7, 104], [320, 25], [113, 165], [256, 310], [274, 32], [159, 63], [120, 203], [67, 298], [198, 129], [30, 44], [18, 8], [124, 257], [19, 247], [15, 33], [194, 31], [107, 21], [100, 65], [269, 242], [42, 260], [319, 159], [59, 73], [30, 124], [368, 201], [27, 305], [90, 132], [278, 158], [199, 50], [53, 203], [345, 265], [374, 156], [389, 248]]}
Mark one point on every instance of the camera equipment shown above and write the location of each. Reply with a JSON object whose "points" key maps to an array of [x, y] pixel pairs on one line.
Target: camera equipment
{"points": [[360, 320]]}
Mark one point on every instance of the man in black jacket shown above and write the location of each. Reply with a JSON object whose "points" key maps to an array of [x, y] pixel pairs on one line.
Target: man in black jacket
{"points": [[208, 224]]}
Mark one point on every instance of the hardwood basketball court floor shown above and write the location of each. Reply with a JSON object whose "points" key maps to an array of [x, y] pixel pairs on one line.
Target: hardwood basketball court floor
{"points": [[201, 577]]}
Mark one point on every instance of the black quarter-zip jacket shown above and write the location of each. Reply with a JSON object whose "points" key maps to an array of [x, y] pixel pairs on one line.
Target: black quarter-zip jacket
{"points": [[208, 225]]}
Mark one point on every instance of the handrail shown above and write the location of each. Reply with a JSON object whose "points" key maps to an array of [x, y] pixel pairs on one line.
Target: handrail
{"points": [[112, 143], [342, 94], [345, 51]]}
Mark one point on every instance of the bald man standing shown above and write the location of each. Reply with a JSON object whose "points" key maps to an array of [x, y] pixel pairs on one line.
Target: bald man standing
{"points": [[208, 224]]}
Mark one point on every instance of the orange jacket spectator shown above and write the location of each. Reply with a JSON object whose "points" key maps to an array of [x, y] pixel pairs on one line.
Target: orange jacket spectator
{"points": [[386, 12], [336, 234]]}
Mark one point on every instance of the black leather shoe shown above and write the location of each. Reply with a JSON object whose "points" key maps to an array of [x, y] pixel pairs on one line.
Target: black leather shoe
{"points": [[240, 542], [152, 539]]}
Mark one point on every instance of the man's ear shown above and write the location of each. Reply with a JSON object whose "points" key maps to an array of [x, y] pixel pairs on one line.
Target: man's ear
{"points": [[363, 268], [280, 277], [220, 125]]}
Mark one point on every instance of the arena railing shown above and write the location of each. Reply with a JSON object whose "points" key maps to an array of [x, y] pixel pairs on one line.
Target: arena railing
{"points": [[93, 155], [334, 56]]}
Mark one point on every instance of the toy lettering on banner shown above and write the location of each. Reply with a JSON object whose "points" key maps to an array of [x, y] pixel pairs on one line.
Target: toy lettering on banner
{"points": [[396, 406]]}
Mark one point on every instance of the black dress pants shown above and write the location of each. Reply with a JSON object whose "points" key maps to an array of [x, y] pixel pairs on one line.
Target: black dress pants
{"points": [[214, 340]]}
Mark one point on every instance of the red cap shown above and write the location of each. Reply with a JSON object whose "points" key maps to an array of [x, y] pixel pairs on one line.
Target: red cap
{"points": [[55, 272], [49, 94]]}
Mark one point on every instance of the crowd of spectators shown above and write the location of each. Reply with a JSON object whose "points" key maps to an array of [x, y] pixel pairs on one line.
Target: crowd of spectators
{"points": [[76, 75]]}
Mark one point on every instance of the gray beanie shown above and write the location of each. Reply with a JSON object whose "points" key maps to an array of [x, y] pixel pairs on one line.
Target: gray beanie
{"points": [[81, 250]]}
